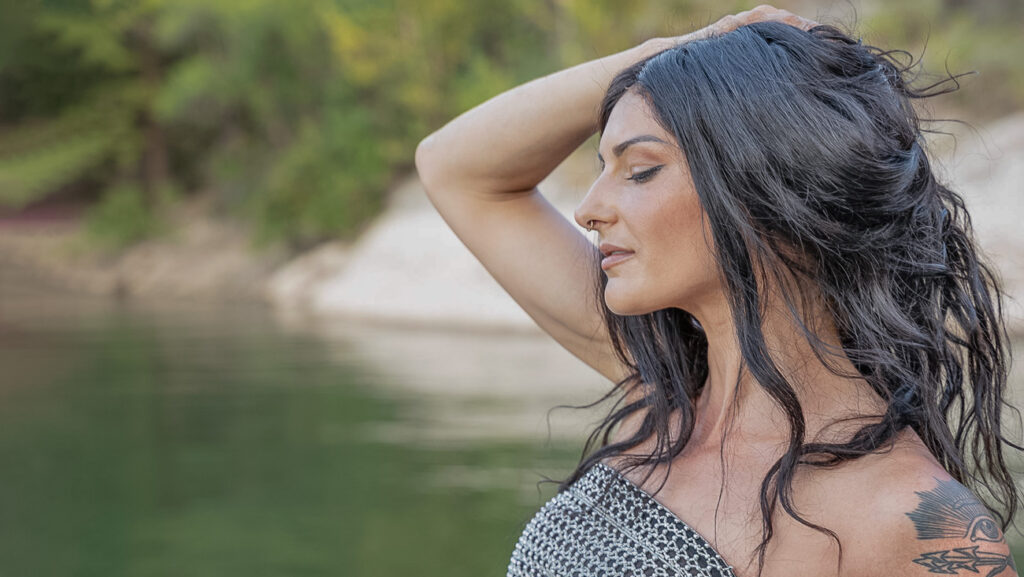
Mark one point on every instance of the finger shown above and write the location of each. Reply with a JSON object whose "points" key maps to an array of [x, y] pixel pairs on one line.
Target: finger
{"points": [[804, 23], [796, 21]]}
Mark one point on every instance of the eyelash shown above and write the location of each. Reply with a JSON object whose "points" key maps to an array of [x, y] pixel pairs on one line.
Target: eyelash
{"points": [[645, 175]]}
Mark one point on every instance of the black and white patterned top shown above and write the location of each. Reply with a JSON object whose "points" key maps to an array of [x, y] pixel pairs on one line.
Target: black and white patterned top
{"points": [[603, 524]]}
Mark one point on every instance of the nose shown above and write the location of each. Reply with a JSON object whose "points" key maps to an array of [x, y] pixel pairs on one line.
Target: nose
{"points": [[595, 208]]}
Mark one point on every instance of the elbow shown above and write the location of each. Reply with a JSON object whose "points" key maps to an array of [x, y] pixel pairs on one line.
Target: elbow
{"points": [[422, 159], [421, 151], [433, 166]]}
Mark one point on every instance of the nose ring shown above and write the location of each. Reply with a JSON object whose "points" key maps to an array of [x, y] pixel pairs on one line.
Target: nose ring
{"points": [[590, 225]]}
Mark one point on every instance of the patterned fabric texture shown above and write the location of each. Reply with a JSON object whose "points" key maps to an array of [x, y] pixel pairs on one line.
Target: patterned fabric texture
{"points": [[604, 525]]}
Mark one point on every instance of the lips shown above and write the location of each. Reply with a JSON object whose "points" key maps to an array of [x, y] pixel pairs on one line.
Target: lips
{"points": [[615, 258], [608, 249]]}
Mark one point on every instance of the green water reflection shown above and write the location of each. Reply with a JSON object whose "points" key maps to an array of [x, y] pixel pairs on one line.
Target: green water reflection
{"points": [[213, 440], [206, 442]]}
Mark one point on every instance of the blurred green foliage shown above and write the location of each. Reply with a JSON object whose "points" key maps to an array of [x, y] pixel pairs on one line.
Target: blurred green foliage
{"points": [[985, 37], [298, 116]]}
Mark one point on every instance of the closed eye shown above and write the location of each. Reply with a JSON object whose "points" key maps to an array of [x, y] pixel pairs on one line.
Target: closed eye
{"points": [[645, 175]]}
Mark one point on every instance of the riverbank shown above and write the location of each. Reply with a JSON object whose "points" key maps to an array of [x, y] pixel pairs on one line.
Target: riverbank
{"points": [[408, 268], [203, 258]]}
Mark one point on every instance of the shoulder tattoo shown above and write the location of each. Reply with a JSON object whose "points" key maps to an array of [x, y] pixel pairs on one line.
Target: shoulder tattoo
{"points": [[951, 511]]}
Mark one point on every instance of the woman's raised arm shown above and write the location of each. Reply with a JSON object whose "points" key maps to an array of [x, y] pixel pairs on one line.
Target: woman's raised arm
{"points": [[481, 172]]}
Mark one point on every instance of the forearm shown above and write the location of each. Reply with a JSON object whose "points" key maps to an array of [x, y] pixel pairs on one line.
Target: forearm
{"points": [[514, 140]]}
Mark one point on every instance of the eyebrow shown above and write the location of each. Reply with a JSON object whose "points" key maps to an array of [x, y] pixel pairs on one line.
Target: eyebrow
{"points": [[621, 147]]}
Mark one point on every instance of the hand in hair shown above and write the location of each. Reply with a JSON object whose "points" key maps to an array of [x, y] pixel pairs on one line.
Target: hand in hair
{"points": [[728, 23]]}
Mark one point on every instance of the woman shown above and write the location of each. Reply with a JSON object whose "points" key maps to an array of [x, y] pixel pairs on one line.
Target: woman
{"points": [[788, 302]]}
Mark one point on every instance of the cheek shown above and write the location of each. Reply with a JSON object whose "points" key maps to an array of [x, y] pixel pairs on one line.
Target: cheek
{"points": [[684, 254], [680, 225]]}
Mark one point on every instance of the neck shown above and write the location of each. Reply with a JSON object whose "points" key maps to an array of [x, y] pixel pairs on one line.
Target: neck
{"points": [[734, 406]]}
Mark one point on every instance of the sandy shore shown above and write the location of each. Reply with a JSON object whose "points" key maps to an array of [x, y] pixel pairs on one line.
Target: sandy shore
{"points": [[410, 269]]}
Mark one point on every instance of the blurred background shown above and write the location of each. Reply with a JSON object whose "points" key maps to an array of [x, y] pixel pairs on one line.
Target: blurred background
{"points": [[235, 338]]}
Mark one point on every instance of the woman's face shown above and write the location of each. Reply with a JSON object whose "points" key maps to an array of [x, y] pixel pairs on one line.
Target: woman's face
{"points": [[644, 201]]}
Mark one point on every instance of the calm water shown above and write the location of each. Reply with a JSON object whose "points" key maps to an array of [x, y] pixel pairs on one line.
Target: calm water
{"points": [[144, 440], [191, 440]]}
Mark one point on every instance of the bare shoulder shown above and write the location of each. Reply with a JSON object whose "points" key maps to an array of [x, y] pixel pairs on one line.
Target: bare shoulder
{"points": [[903, 515]]}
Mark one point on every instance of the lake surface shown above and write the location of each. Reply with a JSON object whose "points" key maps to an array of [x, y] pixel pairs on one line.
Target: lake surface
{"points": [[183, 439], [144, 440]]}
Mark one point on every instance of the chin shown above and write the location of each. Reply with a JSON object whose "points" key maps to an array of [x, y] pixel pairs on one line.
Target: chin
{"points": [[627, 305]]}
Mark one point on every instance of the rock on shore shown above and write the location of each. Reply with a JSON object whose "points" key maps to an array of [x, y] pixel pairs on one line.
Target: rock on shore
{"points": [[411, 268], [202, 258]]}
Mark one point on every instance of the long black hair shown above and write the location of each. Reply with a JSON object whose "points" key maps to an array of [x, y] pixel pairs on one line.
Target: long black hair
{"points": [[810, 140]]}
